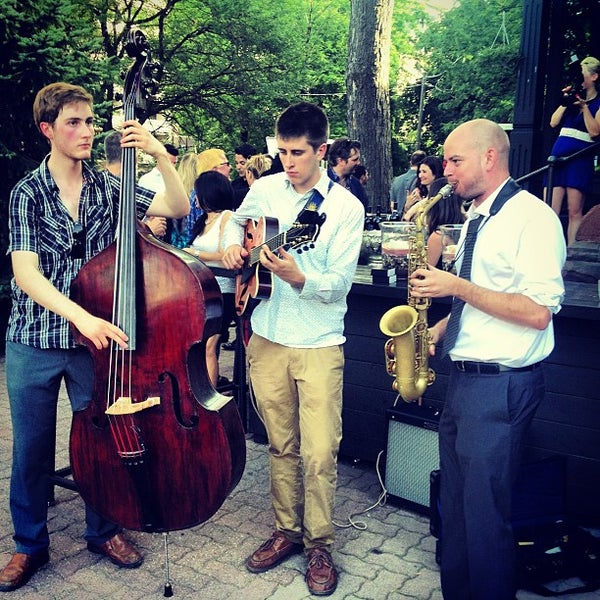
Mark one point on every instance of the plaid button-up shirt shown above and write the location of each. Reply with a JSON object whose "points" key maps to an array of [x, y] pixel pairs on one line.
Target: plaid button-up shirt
{"points": [[39, 223]]}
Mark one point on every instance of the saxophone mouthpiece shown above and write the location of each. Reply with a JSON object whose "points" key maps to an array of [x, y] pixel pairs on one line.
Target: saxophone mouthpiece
{"points": [[443, 193]]}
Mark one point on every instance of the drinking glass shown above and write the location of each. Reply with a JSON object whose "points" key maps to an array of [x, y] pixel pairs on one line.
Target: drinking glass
{"points": [[450, 237], [395, 236]]}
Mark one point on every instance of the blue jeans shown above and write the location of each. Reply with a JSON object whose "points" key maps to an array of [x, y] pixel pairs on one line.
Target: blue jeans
{"points": [[33, 379]]}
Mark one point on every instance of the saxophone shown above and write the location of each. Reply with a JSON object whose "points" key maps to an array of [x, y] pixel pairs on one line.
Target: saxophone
{"points": [[407, 350]]}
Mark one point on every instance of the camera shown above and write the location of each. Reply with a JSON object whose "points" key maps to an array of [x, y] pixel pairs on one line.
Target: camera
{"points": [[570, 97]]}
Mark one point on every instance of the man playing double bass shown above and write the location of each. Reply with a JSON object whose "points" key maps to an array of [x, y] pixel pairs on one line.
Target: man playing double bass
{"points": [[60, 216]]}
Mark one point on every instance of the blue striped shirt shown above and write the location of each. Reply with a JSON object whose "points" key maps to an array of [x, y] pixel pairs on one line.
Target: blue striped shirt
{"points": [[38, 222]]}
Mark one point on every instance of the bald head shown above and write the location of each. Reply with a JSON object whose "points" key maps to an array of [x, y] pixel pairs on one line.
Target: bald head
{"points": [[477, 158], [483, 134]]}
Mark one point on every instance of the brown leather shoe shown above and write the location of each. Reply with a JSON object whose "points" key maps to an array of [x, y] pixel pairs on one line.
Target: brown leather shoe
{"points": [[321, 576], [275, 550], [120, 552], [20, 569]]}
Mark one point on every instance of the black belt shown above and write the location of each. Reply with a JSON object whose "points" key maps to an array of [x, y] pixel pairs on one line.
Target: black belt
{"points": [[483, 368]]}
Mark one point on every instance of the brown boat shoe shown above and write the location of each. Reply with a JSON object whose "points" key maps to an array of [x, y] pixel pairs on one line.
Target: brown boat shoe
{"points": [[270, 553], [20, 569], [321, 576], [120, 552]]}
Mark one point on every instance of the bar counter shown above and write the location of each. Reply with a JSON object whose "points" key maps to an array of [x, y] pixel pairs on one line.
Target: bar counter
{"points": [[566, 424]]}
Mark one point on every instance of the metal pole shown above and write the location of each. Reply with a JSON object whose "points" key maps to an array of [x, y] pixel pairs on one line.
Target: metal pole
{"points": [[421, 106]]}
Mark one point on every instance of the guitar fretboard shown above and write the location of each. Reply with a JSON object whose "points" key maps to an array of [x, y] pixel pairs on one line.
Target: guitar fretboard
{"points": [[273, 244]]}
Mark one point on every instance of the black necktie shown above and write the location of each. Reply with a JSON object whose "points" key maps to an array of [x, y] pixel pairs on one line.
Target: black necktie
{"points": [[465, 273]]}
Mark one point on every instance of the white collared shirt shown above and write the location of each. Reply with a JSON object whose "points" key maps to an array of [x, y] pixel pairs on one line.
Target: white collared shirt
{"points": [[314, 316], [520, 250]]}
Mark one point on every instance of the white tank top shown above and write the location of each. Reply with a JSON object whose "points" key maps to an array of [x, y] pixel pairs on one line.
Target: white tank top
{"points": [[210, 241]]}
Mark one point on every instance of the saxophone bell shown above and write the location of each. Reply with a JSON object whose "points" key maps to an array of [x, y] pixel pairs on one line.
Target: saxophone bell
{"points": [[411, 381]]}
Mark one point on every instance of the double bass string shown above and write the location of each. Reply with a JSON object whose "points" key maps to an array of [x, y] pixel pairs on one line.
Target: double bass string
{"points": [[120, 370]]}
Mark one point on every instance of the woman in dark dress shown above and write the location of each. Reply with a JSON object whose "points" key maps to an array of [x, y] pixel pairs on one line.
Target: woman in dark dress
{"points": [[579, 117]]}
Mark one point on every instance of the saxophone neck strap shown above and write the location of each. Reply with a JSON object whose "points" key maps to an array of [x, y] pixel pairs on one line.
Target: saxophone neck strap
{"points": [[509, 189]]}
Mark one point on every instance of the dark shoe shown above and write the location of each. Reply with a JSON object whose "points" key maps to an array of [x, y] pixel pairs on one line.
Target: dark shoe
{"points": [[321, 576], [228, 346], [21, 569], [120, 552], [275, 550]]}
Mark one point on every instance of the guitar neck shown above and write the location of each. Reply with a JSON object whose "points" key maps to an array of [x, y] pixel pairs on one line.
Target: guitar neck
{"points": [[274, 243]]}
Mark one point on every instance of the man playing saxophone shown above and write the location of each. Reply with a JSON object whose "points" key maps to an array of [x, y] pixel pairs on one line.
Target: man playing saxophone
{"points": [[496, 345]]}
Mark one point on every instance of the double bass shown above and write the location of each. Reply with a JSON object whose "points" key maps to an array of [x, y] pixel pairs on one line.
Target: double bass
{"points": [[158, 449]]}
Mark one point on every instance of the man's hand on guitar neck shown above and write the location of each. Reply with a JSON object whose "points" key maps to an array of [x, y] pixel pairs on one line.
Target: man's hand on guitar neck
{"points": [[234, 257], [283, 265]]}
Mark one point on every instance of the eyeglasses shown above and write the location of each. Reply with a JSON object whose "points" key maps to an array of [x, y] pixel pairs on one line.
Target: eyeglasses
{"points": [[78, 247]]}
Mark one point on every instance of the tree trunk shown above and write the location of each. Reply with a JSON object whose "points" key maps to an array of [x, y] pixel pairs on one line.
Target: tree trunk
{"points": [[367, 85]]}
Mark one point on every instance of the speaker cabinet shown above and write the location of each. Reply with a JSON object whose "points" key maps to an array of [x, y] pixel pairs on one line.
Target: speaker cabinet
{"points": [[412, 453]]}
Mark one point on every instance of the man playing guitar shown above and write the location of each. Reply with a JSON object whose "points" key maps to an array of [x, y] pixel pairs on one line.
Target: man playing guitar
{"points": [[295, 352]]}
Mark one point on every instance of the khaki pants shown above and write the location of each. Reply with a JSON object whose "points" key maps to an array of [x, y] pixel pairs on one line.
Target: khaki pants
{"points": [[299, 396]]}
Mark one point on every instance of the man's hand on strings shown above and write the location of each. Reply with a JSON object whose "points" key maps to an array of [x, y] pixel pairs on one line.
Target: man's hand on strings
{"points": [[283, 265], [100, 332]]}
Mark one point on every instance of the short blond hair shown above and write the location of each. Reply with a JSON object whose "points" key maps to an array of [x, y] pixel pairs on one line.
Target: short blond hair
{"points": [[210, 159], [590, 65], [258, 164]]}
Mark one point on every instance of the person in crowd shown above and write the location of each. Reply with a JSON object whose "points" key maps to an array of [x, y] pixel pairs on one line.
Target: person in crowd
{"points": [[403, 184], [112, 152], [153, 179], [213, 159], [361, 173], [276, 166], [342, 158], [179, 228], [256, 166], [49, 211], [430, 169], [240, 186], [508, 296], [214, 195], [579, 118], [295, 352], [447, 211]]}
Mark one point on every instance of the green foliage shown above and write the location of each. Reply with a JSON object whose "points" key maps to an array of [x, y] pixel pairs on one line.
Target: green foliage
{"points": [[41, 41], [478, 72], [405, 66], [470, 58]]}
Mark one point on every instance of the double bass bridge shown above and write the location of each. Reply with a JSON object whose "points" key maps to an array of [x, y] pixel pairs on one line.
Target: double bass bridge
{"points": [[126, 406]]}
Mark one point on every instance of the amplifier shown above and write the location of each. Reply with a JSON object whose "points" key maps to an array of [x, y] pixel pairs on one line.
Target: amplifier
{"points": [[412, 453]]}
